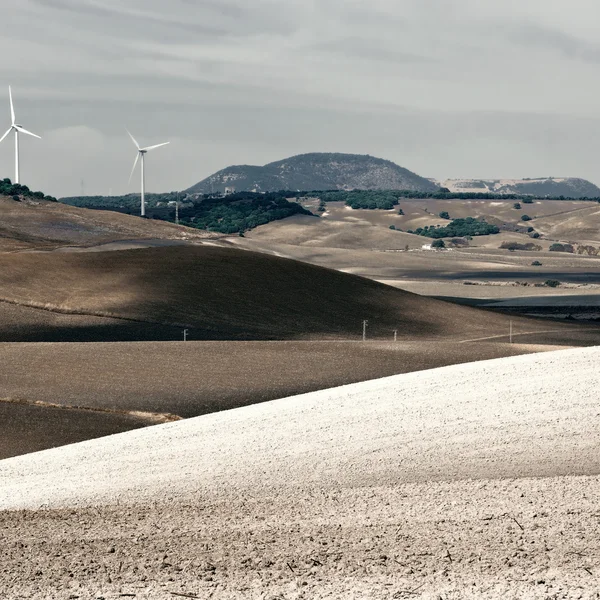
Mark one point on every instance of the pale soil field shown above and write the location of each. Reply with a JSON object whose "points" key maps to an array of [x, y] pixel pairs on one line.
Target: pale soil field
{"points": [[469, 481], [84, 391]]}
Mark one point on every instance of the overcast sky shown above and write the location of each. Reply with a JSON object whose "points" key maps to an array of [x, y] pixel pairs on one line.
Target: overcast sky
{"points": [[446, 88]]}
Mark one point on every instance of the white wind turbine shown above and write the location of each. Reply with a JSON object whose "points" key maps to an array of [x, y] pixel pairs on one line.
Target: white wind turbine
{"points": [[141, 152], [17, 129]]}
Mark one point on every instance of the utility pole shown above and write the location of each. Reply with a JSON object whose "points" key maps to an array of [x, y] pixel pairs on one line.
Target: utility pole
{"points": [[365, 323], [185, 332], [395, 335]]}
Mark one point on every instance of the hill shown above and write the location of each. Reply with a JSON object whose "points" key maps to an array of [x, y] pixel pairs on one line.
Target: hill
{"points": [[315, 171], [470, 481], [32, 223], [569, 187], [227, 293], [71, 399]]}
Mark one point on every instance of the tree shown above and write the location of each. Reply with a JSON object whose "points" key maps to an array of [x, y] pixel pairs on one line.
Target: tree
{"points": [[525, 218], [392, 227], [517, 205], [400, 211], [438, 244], [536, 263], [444, 215], [527, 200]]}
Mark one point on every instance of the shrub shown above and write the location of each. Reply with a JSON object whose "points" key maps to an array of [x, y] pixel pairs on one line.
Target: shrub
{"points": [[438, 244], [512, 246], [392, 227], [459, 228], [517, 205], [525, 218], [16, 198], [444, 215], [529, 229], [535, 235], [527, 200], [552, 283], [536, 263], [400, 211], [562, 248]]}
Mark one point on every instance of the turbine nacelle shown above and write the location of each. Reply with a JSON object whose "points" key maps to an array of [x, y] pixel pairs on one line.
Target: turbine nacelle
{"points": [[141, 152]]}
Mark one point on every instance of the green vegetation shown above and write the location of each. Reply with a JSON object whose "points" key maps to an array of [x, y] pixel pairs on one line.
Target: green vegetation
{"points": [[536, 263], [517, 205], [562, 248], [444, 215], [528, 200], [512, 246], [238, 212], [400, 211], [230, 214], [369, 199], [552, 283], [17, 191], [438, 244], [393, 227], [525, 218], [458, 228]]}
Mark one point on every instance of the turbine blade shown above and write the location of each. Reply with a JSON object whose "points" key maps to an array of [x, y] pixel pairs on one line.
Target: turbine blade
{"points": [[12, 108], [155, 146], [23, 130], [9, 130], [134, 141], [137, 156]]}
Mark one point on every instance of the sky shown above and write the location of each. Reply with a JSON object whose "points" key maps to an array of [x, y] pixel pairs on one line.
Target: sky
{"points": [[445, 88]]}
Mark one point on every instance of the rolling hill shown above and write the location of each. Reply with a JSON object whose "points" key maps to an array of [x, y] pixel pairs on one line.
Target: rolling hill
{"points": [[570, 187], [470, 481], [315, 171], [225, 293], [40, 224]]}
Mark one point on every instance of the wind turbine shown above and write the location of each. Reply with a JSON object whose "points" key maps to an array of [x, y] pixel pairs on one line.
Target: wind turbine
{"points": [[141, 152], [17, 129]]}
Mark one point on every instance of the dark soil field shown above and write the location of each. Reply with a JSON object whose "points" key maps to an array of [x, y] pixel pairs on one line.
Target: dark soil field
{"points": [[195, 378], [217, 293]]}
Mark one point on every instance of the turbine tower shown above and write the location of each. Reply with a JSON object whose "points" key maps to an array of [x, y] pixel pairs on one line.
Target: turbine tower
{"points": [[17, 129], [140, 153]]}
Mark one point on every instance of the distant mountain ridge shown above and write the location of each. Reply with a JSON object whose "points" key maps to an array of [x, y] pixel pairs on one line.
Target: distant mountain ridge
{"points": [[571, 187], [315, 171]]}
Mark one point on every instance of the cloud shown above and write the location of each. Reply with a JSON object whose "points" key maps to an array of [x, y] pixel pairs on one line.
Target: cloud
{"points": [[446, 87]]}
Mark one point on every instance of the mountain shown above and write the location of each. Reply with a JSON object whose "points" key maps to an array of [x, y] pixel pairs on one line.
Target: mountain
{"points": [[316, 171], [570, 187]]}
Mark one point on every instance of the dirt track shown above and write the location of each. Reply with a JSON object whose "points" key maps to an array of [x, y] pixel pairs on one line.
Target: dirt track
{"points": [[415, 486]]}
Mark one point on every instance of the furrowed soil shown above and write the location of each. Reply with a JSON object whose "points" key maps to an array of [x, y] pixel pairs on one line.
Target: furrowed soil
{"points": [[118, 380], [469, 481]]}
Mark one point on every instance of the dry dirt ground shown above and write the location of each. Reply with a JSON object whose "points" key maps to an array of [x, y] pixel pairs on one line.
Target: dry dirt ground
{"points": [[84, 391], [32, 224], [468, 481], [360, 242], [224, 293]]}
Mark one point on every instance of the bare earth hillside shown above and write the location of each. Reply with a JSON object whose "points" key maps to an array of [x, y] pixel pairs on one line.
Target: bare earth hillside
{"points": [[31, 224], [227, 293], [72, 399], [415, 486]]}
